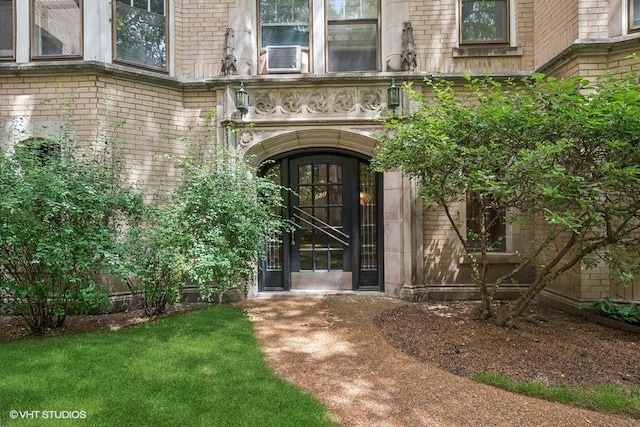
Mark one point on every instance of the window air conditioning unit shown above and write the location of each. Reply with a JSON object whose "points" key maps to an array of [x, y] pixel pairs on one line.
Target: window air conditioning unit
{"points": [[283, 59]]}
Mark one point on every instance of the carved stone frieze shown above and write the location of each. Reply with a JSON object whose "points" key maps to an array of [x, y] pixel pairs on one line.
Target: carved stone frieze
{"points": [[344, 101], [370, 100], [318, 102], [265, 103], [313, 102], [292, 101]]}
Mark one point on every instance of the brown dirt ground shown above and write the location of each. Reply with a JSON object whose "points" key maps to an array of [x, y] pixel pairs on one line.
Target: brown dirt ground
{"points": [[558, 348], [374, 360], [12, 328]]}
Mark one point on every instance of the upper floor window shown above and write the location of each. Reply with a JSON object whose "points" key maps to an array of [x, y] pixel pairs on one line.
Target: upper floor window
{"points": [[6, 29], [352, 35], [634, 14], [485, 215], [484, 21], [141, 32], [56, 28], [284, 22]]}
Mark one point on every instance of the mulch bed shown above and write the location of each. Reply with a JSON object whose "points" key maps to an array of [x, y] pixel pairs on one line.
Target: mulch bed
{"points": [[563, 349]]}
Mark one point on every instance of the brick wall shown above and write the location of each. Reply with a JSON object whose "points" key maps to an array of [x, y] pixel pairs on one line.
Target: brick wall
{"points": [[200, 29], [200, 26], [148, 122], [46, 106], [436, 33], [593, 19], [555, 28]]}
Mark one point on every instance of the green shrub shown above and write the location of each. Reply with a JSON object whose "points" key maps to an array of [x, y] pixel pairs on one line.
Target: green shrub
{"points": [[209, 231], [155, 269], [628, 313], [226, 213], [60, 221]]}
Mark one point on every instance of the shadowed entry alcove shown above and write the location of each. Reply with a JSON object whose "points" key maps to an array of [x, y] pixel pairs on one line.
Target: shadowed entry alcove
{"points": [[336, 206]]}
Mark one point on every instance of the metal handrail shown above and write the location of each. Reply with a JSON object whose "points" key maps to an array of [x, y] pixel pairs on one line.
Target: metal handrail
{"points": [[340, 233]]}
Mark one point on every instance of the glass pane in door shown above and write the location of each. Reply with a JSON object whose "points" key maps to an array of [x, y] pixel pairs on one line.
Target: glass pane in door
{"points": [[368, 223], [320, 196]]}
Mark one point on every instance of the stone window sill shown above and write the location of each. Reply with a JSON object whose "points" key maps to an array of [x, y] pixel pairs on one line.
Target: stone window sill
{"points": [[475, 51]]}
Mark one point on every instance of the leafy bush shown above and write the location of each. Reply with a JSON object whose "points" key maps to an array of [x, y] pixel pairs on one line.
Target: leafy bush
{"points": [[208, 231], [60, 220], [628, 313], [155, 269], [226, 213]]}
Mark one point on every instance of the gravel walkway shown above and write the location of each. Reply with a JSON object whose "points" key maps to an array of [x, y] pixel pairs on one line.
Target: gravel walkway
{"points": [[330, 347]]}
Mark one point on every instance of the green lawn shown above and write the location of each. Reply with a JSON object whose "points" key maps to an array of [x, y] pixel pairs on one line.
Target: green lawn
{"points": [[202, 368], [605, 398]]}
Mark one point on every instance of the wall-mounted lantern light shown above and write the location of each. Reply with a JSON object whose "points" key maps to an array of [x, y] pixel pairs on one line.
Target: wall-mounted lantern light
{"points": [[393, 96], [242, 100]]}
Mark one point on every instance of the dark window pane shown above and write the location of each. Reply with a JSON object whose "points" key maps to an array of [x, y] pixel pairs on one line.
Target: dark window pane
{"points": [[306, 238], [304, 194], [335, 194], [56, 28], [352, 9], [317, 172], [306, 260], [278, 35], [635, 13], [6, 29], [284, 22], [322, 215], [157, 6], [335, 174], [320, 173], [140, 36], [322, 260], [320, 196], [274, 256], [485, 211], [334, 243], [368, 229], [336, 260], [484, 21], [335, 216], [304, 174], [352, 47]]}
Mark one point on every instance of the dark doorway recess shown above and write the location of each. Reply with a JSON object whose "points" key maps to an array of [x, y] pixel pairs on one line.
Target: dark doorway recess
{"points": [[336, 205]]}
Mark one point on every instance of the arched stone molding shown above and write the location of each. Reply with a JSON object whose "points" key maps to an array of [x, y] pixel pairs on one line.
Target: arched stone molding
{"points": [[260, 144]]}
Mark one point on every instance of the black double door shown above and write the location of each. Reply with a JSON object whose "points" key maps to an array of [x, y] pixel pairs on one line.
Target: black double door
{"points": [[335, 208]]}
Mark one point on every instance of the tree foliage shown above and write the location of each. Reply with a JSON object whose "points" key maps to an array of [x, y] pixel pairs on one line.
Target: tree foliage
{"points": [[562, 155]]}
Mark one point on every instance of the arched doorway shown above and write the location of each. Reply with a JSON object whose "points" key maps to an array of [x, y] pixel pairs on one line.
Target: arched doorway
{"points": [[336, 206]]}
